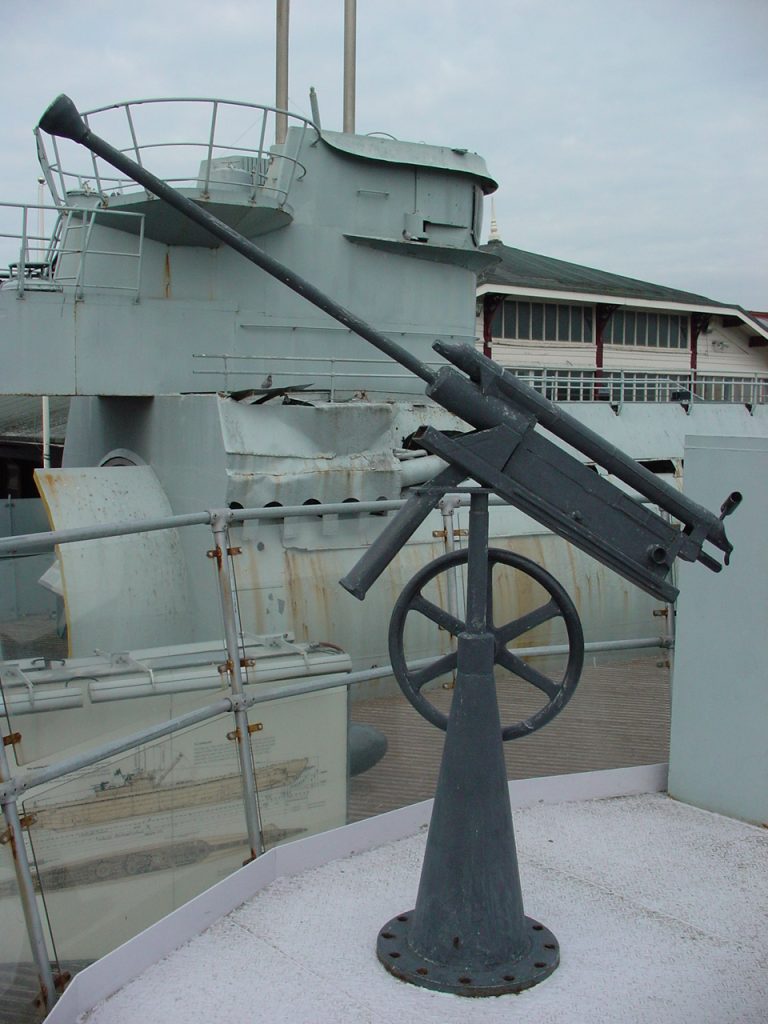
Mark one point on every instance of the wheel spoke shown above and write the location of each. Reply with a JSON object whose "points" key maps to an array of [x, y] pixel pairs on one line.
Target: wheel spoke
{"points": [[438, 615], [512, 630], [518, 667], [420, 677]]}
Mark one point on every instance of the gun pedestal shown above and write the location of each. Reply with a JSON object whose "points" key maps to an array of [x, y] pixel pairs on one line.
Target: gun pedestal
{"points": [[468, 933]]}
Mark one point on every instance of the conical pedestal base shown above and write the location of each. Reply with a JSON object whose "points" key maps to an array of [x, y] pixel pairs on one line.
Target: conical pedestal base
{"points": [[396, 954], [468, 933]]}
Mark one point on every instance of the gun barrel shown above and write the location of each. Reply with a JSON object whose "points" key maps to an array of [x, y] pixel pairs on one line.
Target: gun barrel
{"points": [[62, 119]]}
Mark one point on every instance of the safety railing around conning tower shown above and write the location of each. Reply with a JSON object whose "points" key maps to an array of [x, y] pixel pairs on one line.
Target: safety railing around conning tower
{"points": [[32, 260], [233, 141], [141, 791]]}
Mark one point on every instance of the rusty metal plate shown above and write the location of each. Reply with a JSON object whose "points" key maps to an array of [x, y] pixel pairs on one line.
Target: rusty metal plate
{"points": [[120, 593]]}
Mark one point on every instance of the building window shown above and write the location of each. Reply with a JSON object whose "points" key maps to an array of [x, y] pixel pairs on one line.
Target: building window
{"points": [[542, 321], [647, 330]]}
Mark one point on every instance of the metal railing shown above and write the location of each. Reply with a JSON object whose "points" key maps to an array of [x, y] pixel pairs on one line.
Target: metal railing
{"points": [[328, 375], [236, 701], [217, 127], [617, 387], [58, 262]]}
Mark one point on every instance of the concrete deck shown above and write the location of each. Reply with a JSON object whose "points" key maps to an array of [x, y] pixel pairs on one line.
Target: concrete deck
{"points": [[661, 911]]}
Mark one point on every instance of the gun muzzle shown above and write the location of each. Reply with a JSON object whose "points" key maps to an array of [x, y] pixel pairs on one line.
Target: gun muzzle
{"points": [[63, 119]]}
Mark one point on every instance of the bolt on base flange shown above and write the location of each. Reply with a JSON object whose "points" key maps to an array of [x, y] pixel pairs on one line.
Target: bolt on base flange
{"points": [[539, 961]]}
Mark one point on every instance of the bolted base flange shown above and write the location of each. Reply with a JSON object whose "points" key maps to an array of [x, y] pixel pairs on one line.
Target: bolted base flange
{"points": [[534, 965]]}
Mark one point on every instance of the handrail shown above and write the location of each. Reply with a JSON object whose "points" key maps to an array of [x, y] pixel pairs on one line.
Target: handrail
{"points": [[210, 144], [47, 273], [617, 385]]}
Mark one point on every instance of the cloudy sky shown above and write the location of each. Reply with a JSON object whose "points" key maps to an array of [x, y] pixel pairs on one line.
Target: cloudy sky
{"points": [[624, 135]]}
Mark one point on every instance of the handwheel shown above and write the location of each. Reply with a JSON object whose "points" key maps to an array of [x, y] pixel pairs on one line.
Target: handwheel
{"points": [[559, 605]]}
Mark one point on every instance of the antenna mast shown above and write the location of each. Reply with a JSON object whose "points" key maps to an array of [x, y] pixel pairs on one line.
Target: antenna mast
{"points": [[350, 34], [281, 69]]}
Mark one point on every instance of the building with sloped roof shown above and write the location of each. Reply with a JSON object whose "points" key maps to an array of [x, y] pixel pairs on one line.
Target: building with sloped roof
{"points": [[577, 333]]}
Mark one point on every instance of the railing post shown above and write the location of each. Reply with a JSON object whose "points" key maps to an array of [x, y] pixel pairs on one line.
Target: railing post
{"points": [[21, 269], [26, 888], [209, 156], [448, 506], [221, 554], [140, 259]]}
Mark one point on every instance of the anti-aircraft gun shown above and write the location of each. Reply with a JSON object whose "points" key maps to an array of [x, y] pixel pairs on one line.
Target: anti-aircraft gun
{"points": [[468, 933]]}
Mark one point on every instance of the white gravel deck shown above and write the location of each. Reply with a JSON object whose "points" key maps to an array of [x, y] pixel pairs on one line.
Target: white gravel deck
{"points": [[661, 911]]}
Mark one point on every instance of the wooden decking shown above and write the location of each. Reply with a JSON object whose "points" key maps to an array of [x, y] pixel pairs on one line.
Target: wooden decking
{"points": [[619, 716]]}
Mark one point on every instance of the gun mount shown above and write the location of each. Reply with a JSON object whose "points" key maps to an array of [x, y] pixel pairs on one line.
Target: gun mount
{"points": [[468, 933]]}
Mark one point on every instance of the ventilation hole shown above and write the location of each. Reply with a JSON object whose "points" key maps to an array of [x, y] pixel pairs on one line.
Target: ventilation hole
{"points": [[538, 927], [509, 977], [394, 955], [236, 504], [456, 942], [274, 504], [422, 971], [465, 980], [387, 935], [402, 917], [549, 945], [540, 963]]}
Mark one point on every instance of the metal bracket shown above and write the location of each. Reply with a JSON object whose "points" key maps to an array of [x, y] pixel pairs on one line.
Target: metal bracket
{"points": [[25, 821]]}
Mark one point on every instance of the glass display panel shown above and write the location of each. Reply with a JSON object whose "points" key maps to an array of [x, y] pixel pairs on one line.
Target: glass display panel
{"points": [[122, 843], [524, 320], [20, 1001], [89, 663]]}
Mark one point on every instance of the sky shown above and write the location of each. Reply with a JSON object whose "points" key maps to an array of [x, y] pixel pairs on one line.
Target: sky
{"points": [[626, 136]]}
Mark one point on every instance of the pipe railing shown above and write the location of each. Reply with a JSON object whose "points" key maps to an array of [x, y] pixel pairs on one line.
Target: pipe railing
{"points": [[617, 386], [210, 139], [41, 262]]}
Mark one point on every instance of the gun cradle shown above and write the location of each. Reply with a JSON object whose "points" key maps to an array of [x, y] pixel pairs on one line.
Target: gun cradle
{"points": [[566, 496]]}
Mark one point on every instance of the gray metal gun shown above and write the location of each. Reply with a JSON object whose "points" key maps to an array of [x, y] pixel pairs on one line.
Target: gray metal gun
{"points": [[504, 452]]}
